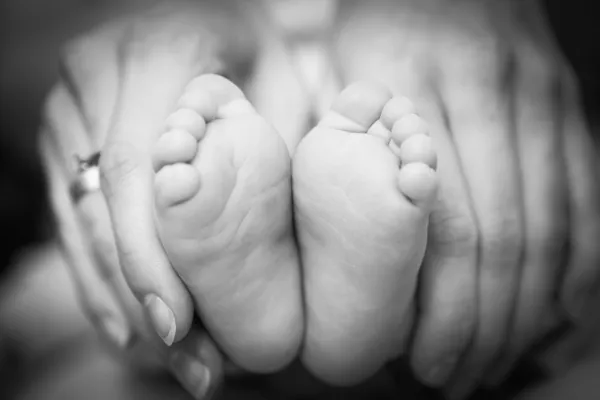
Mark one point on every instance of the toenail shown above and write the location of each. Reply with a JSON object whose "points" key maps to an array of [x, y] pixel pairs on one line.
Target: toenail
{"points": [[162, 318], [191, 373]]}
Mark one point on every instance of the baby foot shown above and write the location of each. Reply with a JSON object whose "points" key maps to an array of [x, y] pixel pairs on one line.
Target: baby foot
{"points": [[223, 213], [364, 184]]}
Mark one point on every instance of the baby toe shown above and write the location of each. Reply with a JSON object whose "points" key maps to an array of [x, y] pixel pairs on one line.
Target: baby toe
{"points": [[418, 182], [188, 120], [395, 109], [407, 126], [174, 146], [174, 184], [416, 149]]}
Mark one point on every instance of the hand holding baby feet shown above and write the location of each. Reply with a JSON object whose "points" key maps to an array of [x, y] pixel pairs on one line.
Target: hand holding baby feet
{"points": [[364, 185], [223, 212]]}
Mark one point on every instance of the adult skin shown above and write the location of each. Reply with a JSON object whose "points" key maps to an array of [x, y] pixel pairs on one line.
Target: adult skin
{"points": [[519, 203], [103, 76], [516, 162]]}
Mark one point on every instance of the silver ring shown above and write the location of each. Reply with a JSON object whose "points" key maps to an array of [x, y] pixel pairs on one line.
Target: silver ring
{"points": [[87, 179]]}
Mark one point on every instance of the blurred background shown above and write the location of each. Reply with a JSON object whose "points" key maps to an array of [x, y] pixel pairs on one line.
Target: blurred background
{"points": [[39, 316]]}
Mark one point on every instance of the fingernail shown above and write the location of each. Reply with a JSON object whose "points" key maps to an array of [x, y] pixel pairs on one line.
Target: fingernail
{"points": [[438, 374], [192, 374], [116, 332], [162, 318]]}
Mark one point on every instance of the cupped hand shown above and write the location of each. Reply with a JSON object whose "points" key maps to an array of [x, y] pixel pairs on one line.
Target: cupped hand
{"points": [[519, 207], [117, 84]]}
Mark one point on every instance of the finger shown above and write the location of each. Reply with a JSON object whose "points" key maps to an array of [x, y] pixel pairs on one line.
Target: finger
{"points": [[66, 129], [95, 294], [197, 364], [481, 122], [89, 66], [544, 185], [69, 138], [447, 282], [583, 271], [154, 67], [446, 295], [93, 285]]}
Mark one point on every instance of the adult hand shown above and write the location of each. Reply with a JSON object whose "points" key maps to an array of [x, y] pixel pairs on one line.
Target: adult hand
{"points": [[517, 170], [118, 84]]}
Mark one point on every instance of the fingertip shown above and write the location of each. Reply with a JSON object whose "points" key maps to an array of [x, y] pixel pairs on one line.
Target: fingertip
{"points": [[108, 319], [435, 373], [170, 319], [440, 344], [197, 364], [117, 332], [184, 316], [126, 177]]}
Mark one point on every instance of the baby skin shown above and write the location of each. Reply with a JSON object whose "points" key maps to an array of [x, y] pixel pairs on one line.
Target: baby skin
{"points": [[223, 212], [364, 182]]}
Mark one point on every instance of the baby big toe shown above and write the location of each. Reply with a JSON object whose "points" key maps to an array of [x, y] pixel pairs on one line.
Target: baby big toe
{"points": [[213, 96], [357, 107]]}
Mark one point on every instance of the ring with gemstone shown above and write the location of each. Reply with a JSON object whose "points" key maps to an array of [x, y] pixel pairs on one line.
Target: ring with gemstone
{"points": [[87, 179]]}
